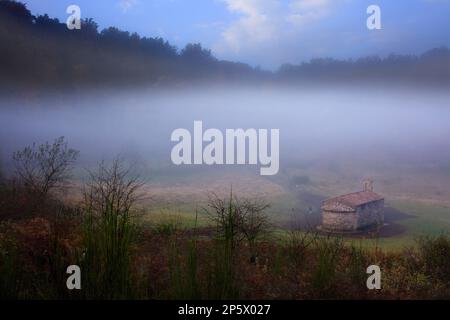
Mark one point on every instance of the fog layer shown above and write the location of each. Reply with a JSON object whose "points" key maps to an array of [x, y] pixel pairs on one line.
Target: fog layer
{"points": [[363, 128]]}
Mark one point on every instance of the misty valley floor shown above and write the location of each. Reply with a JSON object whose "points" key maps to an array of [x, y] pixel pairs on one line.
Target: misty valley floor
{"points": [[293, 206]]}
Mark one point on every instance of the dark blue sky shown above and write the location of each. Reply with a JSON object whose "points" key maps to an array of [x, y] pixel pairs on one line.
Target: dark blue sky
{"points": [[272, 32]]}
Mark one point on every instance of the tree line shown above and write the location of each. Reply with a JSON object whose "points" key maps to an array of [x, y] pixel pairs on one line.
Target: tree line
{"points": [[42, 51]]}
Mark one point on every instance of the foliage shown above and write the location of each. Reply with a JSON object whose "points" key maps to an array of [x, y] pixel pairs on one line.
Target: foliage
{"points": [[40, 51]]}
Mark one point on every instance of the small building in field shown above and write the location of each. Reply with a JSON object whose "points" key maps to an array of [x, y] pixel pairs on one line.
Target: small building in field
{"points": [[353, 212]]}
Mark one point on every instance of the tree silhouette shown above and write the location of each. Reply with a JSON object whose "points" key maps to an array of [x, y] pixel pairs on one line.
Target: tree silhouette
{"points": [[16, 11], [40, 51], [195, 53]]}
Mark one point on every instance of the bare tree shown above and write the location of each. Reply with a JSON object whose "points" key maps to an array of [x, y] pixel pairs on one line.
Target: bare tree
{"points": [[238, 220], [112, 189], [225, 213], [301, 236], [255, 223], [45, 167], [109, 230]]}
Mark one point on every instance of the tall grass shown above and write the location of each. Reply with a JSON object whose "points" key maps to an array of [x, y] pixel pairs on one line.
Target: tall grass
{"points": [[357, 266], [35, 252], [108, 233], [435, 252], [183, 268], [296, 246], [221, 282], [105, 261], [9, 272], [328, 251]]}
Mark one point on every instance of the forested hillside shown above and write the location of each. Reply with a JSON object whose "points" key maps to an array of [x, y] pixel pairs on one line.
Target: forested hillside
{"points": [[41, 51]]}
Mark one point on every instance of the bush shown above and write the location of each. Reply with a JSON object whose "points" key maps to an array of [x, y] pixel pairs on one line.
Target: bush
{"points": [[328, 253], [435, 253], [45, 167], [9, 273], [108, 232]]}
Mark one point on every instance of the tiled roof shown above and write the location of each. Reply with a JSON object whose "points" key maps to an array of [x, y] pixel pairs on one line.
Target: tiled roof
{"points": [[349, 202]]}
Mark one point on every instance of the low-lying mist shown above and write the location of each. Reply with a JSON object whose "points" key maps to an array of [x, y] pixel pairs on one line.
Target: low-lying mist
{"points": [[349, 132]]}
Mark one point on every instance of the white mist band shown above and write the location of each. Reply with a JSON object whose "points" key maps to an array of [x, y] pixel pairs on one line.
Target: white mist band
{"points": [[235, 147]]}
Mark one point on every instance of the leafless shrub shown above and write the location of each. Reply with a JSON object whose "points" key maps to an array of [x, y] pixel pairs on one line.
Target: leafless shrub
{"points": [[112, 189], [255, 223], [297, 244], [239, 220], [45, 167], [109, 231]]}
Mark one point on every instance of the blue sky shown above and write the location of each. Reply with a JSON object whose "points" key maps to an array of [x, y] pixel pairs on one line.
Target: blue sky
{"points": [[271, 32]]}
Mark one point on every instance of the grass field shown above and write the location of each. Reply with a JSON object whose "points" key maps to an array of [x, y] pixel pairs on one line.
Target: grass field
{"points": [[427, 219], [178, 203]]}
